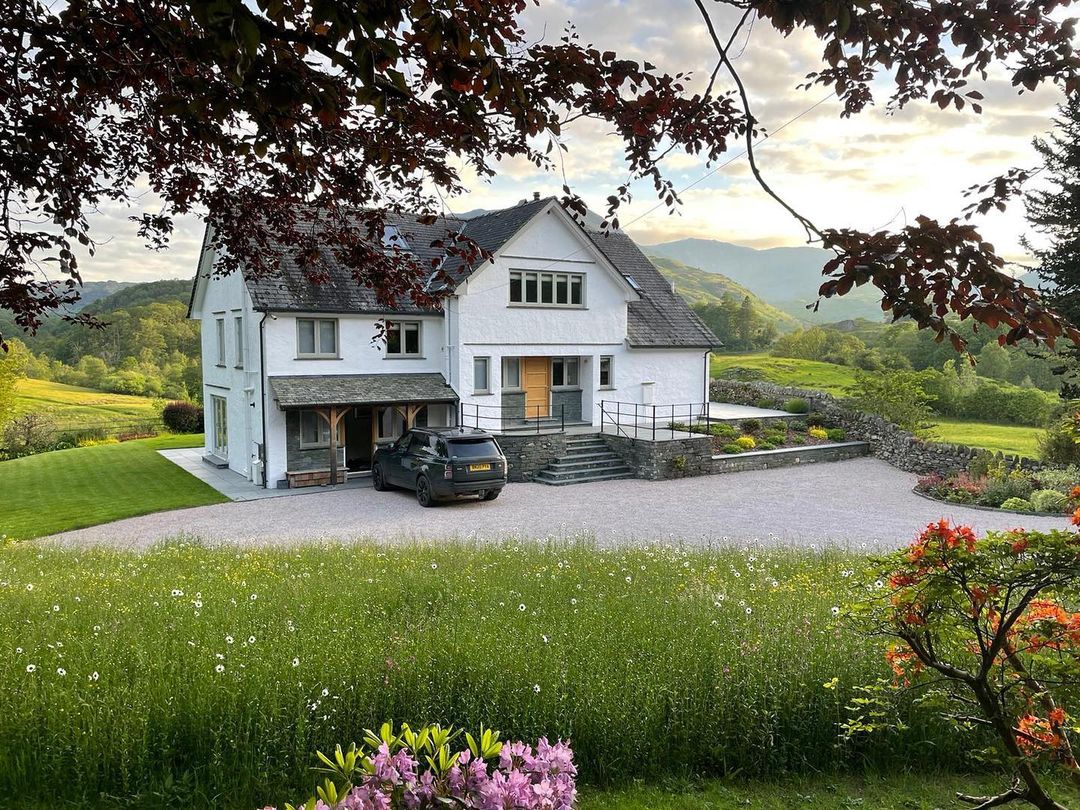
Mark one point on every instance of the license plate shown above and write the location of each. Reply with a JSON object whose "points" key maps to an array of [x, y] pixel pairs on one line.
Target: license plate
{"points": [[479, 467]]}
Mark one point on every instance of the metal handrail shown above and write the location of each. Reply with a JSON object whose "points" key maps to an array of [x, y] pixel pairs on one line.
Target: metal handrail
{"points": [[473, 409], [647, 416]]}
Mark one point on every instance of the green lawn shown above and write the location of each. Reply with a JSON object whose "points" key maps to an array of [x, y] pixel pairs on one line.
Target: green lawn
{"points": [[892, 792], [211, 675], [785, 371], [1013, 439], [834, 379], [85, 486], [71, 406]]}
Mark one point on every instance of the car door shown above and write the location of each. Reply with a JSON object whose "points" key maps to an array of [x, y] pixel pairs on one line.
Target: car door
{"points": [[393, 468], [418, 454]]}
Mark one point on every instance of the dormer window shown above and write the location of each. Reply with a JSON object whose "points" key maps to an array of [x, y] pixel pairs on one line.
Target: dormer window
{"points": [[393, 240]]}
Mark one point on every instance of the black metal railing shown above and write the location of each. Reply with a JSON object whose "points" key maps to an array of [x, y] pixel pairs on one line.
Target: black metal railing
{"points": [[632, 419], [499, 418]]}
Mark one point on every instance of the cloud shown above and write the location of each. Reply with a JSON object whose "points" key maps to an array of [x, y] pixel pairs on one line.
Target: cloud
{"points": [[872, 169]]}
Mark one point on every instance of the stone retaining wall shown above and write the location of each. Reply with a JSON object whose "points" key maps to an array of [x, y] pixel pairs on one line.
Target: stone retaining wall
{"points": [[887, 441], [528, 453], [788, 456], [661, 460]]}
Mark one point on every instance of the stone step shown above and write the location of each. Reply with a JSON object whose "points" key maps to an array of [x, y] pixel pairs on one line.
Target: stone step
{"points": [[544, 477], [552, 471], [569, 465], [587, 449], [573, 441]]}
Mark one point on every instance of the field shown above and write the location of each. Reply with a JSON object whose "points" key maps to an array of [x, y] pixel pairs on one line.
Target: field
{"points": [[208, 677], [74, 407], [84, 486], [827, 377], [835, 379]]}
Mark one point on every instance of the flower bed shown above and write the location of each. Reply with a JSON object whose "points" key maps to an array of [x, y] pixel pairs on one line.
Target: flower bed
{"points": [[753, 434], [989, 484], [415, 769]]}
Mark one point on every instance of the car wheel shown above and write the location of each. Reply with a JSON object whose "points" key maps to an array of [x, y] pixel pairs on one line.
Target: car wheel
{"points": [[490, 495], [378, 483], [423, 492]]}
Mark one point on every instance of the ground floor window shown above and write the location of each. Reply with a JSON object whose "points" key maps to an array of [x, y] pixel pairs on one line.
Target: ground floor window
{"points": [[564, 371], [480, 375], [315, 431], [511, 376], [219, 416], [607, 367]]}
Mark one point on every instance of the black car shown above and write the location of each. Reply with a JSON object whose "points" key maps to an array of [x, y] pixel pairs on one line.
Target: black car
{"points": [[441, 463]]}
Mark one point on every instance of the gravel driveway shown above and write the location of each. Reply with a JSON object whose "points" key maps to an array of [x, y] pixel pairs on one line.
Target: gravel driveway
{"points": [[863, 503]]}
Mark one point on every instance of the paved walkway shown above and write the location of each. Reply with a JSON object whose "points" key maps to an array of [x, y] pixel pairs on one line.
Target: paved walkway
{"points": [[236, 487], [860, 504]]}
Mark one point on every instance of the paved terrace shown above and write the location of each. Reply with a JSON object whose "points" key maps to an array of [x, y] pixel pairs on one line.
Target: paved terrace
{"points": [[860, 504]]}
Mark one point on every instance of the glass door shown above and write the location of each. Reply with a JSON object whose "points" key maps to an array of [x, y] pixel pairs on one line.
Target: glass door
{"points": [[220, 418]]}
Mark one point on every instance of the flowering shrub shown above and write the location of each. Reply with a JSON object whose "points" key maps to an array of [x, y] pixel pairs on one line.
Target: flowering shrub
{"points": [[993, 485], [746, 442], [982, 627], [419, 769], [817, 433]]}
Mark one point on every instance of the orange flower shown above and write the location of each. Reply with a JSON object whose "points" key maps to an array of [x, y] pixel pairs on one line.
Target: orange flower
{"points": [[1020, 546]]}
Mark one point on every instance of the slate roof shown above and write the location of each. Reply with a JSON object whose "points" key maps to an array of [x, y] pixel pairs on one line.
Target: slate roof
{"points": [[660, 319], [359, 389]]}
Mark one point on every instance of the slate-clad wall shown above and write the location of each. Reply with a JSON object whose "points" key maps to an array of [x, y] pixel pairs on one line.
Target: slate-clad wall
{"points": [[302, 460], [513, 407], [659, 461], [528, 453], [566, 405], [887, 441]]}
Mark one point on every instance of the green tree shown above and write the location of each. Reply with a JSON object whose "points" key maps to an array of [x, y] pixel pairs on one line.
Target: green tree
{"points": [[1054, 212], [994, 362], [12, 369]]}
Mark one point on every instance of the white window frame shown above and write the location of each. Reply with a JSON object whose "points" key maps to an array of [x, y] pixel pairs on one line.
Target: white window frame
{"points": [[323, 441], [485, 361], [219, 416], [403, 327], [566, 363], [316, 335], [238, 326], [506, 384], [220, 333], [610, 360], [552, 281]]}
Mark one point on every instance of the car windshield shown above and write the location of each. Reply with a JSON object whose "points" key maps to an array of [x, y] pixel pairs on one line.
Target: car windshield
{"points": [[473, 448]]}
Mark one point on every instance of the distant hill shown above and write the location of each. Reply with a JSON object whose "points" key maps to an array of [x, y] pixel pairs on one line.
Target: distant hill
{"points": [[786, 277], [699, 287], [140, 294], [93, 291]]}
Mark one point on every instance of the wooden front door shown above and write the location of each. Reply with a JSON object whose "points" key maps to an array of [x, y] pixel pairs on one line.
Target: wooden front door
{"points": [[536, 379]]}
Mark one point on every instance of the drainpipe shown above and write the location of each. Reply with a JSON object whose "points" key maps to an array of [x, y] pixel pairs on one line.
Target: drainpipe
{"points": [[706, 375], [262, 394]]}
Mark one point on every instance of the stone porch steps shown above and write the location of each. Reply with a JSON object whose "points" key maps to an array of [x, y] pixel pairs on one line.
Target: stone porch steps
{"points": [[587, 458]]}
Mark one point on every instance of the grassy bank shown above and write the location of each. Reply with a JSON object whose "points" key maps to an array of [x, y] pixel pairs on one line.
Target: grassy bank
{"points": [[73, 407], [835, 379], [218, 672], [85, 486]]}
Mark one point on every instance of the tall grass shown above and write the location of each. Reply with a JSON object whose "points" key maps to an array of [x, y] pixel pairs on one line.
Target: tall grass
{"points": [[199, 675]]}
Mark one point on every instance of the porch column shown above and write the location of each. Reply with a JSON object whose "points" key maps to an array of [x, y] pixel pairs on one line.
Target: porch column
{"points": [[333, 416]]}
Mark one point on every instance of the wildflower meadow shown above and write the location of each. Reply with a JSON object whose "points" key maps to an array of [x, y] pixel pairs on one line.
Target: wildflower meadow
{"points": [[204, 675]]}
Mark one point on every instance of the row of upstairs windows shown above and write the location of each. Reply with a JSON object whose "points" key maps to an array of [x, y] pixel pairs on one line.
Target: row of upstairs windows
{"points": [[319, 338]]}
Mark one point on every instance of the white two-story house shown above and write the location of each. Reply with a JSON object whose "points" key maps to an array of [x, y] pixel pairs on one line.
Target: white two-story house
{"points": [[558, 321]]}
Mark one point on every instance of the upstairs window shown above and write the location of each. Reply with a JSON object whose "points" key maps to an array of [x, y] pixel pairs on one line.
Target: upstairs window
{"points": [[220, 341], [316, 337], [547, 289], [564, 371], [238, 325], [403, 338]]}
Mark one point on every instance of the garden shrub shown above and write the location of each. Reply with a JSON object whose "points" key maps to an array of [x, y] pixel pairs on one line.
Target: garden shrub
{"points": [[732, 449], [183, 417], [1048, 500], [836, 434], [983, 463], [746, 442], [765, 403], [724, 430], [896, 396], [1001, 488], [775, 437], [766, 445], [1060, 442], [817, 433], [1062, 479], [1017, 505], [798, 424], [414, 769], [817, 420], [750, 425], [797, 405]]}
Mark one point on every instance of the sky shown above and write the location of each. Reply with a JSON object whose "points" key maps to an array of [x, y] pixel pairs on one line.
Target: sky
{"points": [[874, 170]]}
